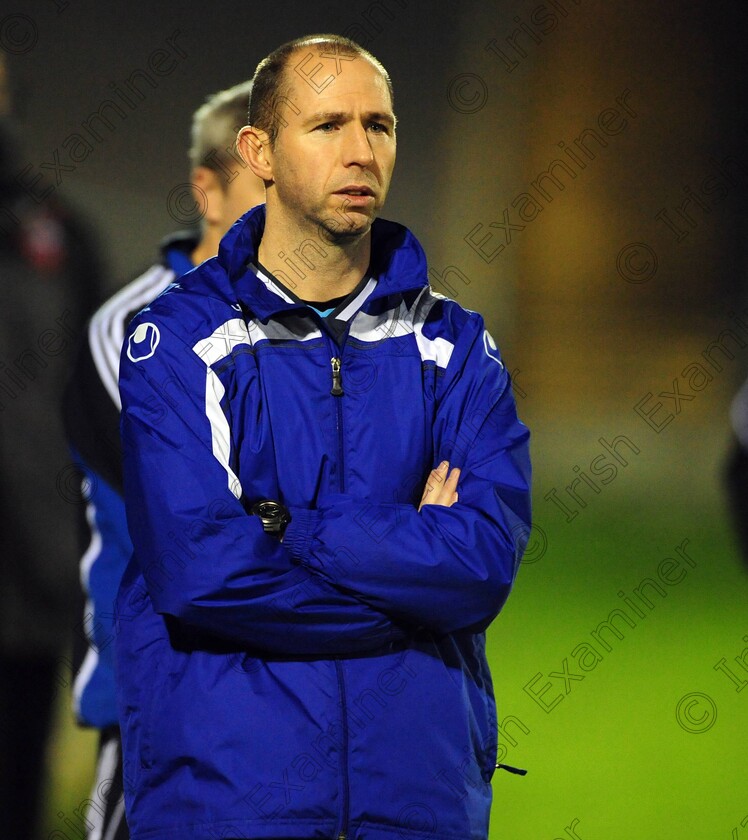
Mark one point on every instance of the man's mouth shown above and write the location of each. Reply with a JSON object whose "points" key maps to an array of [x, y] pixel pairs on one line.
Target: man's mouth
{"points": [[356, 190]]}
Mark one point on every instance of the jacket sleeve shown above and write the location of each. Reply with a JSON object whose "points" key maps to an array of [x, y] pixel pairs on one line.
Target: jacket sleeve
{"points": [[205, 560], [444, 569], [92, 418]]}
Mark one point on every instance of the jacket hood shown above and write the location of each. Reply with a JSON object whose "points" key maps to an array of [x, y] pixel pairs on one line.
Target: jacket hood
{"points": [[398, 262]]}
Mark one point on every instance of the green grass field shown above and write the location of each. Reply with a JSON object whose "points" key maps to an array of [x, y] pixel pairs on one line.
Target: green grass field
{"points": [[649, 742], [643, 740]]}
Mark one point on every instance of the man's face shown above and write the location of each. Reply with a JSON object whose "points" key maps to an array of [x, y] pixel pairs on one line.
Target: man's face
{"points": [[332, 162]]}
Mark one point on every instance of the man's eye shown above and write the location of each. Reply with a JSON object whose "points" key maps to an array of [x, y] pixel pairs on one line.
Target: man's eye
{"points": [[378, 128], [326, 126]]}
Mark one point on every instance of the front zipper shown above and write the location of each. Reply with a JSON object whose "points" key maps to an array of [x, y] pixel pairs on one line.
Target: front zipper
{"points": [[337, 383], [344, 749], [336, 364], [337, 391]]}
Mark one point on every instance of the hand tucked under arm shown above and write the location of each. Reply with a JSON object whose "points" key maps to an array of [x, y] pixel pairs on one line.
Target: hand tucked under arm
{"points": [[441, 486]]}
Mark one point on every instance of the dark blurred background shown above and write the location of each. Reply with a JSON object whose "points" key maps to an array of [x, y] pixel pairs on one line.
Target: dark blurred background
{"points": [[575, 171]]}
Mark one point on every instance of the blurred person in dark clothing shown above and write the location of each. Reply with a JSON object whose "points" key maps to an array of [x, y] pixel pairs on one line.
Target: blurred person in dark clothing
{"points": [[736, 469], [48, 283], [224, 188]]}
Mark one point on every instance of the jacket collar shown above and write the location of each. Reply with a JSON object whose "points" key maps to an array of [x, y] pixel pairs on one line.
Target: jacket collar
{"points": [[398, 262], [176, 251]]}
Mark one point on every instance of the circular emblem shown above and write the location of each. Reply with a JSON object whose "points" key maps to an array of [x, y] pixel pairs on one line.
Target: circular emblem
{"points": [[143, 342]]}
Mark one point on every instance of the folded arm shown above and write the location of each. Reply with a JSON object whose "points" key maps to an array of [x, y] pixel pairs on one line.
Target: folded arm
{"points": [[443, 567], [204, 559]]}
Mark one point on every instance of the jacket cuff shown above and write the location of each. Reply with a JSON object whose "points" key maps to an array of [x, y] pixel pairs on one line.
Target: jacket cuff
{"points": [[297, 538]]}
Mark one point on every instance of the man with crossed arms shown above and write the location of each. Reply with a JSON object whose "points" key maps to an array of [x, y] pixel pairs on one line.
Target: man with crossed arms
{"points": [[327, 489]]}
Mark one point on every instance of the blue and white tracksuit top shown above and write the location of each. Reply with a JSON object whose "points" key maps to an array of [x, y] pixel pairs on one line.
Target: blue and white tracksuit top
{"points": [[335, 684], [91, 411]]}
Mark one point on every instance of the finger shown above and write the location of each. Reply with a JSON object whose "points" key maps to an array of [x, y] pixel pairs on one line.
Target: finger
{"points": [[447, 492], [450, 485], [441, 471], [429, 489], [426, 495], [434, 484], [436, 478]]}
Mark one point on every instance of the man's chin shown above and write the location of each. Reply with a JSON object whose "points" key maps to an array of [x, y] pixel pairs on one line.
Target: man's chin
{"points": [[346, 228]]}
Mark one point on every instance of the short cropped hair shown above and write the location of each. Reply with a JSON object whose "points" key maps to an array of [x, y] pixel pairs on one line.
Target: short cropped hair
{"points": [[214, 128], [271, 84]]}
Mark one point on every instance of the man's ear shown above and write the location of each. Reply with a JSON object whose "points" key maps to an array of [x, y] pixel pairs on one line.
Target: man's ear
{"points": [[253, 145], [208, 192]]}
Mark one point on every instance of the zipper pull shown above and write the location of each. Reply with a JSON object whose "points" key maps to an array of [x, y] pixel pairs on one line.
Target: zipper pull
{"points": [[337, 385], [518, 770]]}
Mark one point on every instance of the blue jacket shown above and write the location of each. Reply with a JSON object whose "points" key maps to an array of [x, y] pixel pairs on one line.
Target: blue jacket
{"points": [[334, 685], [91, 412]]}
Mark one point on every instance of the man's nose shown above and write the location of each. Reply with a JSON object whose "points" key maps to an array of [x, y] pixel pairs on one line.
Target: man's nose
{"points": [[357, 148]]}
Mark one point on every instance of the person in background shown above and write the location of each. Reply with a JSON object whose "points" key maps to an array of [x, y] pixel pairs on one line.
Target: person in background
{"points": [[736, 470], [224, 188], [49, 282]]}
